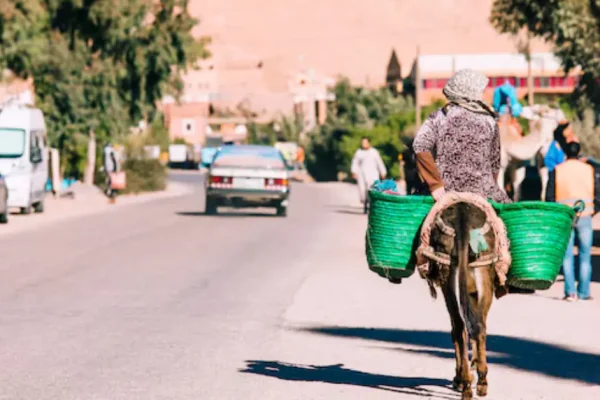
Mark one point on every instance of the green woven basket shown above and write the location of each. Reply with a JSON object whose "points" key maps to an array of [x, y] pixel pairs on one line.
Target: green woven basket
{"points": [[539, 234], [391, 239]]}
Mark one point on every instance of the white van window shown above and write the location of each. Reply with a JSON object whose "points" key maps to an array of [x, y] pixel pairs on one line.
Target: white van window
{"points": [[12, 143]]}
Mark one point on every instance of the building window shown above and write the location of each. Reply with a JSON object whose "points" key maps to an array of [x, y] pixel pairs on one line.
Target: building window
{"points": [[188, 126], [523, 82]]}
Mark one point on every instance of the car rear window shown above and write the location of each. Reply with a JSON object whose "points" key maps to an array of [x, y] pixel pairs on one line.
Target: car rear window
{"points": [[249, 157]]}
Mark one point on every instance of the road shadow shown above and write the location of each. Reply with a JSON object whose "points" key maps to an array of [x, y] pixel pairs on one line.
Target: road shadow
{"points": [[596, 269], [346, 209], [226, 214], [518, 353], [338, 375], [350, 212]]}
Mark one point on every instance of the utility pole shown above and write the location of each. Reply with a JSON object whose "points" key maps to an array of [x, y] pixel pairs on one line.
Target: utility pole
{"points": [[418, 89], [529, 69]]}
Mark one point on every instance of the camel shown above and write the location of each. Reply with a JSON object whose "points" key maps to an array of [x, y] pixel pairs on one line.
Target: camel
{"points": [[516, 149]]}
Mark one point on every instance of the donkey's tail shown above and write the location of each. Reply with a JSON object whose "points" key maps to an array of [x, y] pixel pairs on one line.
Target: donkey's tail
{"points": [[469, 313]]}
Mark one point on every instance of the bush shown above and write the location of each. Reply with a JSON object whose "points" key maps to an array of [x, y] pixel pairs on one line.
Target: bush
{"points": [[144, 175], [158, 134], [324, 157], [589, 134]]}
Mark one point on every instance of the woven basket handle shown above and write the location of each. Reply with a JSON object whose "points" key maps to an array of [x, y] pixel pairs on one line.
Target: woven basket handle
{"points": [[578, 208]]}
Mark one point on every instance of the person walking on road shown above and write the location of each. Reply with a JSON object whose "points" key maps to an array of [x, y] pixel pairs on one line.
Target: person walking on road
{"points": [[408, 161], [458, 146], [367, 167], [111, 166], [569, 182], [300, 158]]}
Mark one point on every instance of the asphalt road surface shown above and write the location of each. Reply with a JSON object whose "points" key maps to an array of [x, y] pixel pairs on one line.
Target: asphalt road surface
{"points": [[157, 301]]}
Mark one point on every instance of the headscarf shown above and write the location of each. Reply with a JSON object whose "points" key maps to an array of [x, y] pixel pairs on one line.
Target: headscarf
{"points": [[465, 89]]}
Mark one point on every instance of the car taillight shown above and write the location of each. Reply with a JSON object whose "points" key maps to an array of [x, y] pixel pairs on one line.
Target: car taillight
{"points": [[220, 181], [275, 183]]}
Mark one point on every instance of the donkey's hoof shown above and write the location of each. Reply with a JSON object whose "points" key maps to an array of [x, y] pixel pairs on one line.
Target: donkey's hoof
{"points": [[457, 384], [482, 390], [467, 394]]}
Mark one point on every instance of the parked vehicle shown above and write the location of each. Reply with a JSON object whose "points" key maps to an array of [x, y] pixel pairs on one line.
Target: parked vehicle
{"points": [[248, 176], [24, 157], [3, 201]]}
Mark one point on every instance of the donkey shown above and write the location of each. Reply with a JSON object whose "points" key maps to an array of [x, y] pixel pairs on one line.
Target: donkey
{"points": [[468, 286]]}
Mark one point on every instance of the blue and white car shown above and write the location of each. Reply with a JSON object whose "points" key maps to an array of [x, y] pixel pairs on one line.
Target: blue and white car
{"points": [[248, 176]]}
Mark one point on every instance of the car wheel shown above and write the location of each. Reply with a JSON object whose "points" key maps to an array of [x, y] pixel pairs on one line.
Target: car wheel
{"points": [[26, 210], [38, 207], [282, 211], [211, 206], [4, 218]]}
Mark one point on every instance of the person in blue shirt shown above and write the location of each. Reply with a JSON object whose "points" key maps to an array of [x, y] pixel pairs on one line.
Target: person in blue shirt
{"points": [[562, 136], [554, 156]]}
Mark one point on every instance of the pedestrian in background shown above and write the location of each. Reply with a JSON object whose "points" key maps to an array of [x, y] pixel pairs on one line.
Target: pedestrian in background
{"points": [[111, 167], [300, 158], [570, 181], [367, 167], [409, 165]]}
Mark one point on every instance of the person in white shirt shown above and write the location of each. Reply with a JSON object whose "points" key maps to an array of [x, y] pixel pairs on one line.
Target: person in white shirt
{"points": [[367, 167]]}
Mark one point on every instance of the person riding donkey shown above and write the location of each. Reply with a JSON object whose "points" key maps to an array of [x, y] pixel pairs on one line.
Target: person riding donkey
{"points": [[458, 146], [464, 247]]}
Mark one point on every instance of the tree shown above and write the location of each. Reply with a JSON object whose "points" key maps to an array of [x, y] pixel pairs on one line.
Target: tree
{"points": [[98, 66], [573, 26]]}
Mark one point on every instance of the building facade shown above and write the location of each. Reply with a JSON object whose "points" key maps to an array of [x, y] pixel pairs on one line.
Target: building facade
{"points": [[548, 76]]}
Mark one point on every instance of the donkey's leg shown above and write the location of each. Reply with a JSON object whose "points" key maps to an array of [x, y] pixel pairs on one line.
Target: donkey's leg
{"points": [[482, 368], [463, 379], [518, 181], [465, 372], [544, 175], [452, 307]]}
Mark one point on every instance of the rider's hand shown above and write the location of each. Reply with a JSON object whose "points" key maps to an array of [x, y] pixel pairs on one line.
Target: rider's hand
{"points": [[437, 194]]}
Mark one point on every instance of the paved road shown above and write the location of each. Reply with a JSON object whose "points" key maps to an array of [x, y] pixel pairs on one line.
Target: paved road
{"points": [[157, 301]]}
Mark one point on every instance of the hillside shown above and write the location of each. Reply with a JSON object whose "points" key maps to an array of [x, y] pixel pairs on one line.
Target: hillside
{"points": [[351, 37]]}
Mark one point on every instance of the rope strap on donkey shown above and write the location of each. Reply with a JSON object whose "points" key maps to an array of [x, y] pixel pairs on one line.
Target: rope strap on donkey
{"points": [[500, 259]]}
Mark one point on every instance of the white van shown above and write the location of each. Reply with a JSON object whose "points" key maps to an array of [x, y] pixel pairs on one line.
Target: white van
{"points": [[24, 157]]}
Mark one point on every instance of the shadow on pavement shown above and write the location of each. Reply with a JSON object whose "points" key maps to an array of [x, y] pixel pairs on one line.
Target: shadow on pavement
{"points": [[224, 214], [350, 212], [338, 375], [596, 269], [518, 353]]}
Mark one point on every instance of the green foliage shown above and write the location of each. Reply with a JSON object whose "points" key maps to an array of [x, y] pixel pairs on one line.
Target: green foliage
{"points": [[359, 112], [261, 134], [97, 66], [158, 133], [324, 155], [145, 175], [588, 133]]}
